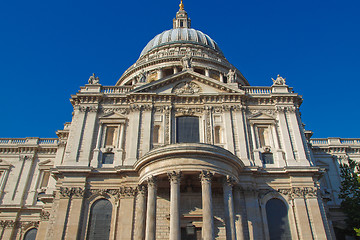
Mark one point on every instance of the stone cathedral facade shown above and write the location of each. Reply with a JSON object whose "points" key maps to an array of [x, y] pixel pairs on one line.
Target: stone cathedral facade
{"points": [[182, 147]]}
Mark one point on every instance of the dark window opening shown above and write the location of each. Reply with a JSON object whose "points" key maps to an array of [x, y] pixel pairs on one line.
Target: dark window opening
{"points": [[218, 134], [31, 234], [225, 79], [108, 158], [100, 220], [156, 134], [267, 158], [277, 219], [168, 72], [187, 130], [190, 233], [199, 70]]}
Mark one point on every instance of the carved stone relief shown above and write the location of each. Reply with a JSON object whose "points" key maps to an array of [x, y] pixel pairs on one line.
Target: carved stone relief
{"points": [[186, 88]]}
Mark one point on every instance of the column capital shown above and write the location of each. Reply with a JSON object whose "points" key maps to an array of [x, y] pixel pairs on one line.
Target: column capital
{"points": [[228, 181], [152, 181], [174, 176], [206, 176], [141, 189]]}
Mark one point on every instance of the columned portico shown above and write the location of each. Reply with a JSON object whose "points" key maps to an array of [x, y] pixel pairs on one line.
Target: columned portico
{"points": [[208, 217]]}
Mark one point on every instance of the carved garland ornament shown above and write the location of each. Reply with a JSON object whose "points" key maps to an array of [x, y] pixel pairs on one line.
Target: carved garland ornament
{"points": [[299, 192], [67, 192]]}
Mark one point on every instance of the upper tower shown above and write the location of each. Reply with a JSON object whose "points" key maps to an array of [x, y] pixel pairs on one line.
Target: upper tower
{"points": [[164, 56], [182, 20]]}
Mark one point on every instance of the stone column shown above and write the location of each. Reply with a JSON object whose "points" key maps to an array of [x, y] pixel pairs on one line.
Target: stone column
{"points": [[175, 231], [176, 70], [229, 208], [7, 229], [207, 72], [301, 214], [208, 218], [240, 213], [317, 221], [140, 213], [221, 77], [151, 210], [75, 213], [160, 73], [43, 225], [62, 213]]}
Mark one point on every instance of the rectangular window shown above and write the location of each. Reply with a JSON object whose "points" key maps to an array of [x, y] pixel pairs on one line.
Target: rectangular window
{"points": [[267, 158], [187, 130], [108, 158], [45, 180], [264, 139], [111, 134]]}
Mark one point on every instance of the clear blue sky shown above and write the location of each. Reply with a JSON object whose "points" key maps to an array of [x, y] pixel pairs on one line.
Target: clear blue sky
{"points": [[48, 49]]}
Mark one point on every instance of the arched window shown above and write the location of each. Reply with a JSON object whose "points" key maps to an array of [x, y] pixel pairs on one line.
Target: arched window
{"points": [[277, 219], [218, 134], [31, 234], [187, 129], [100, 219], [156, 134]]}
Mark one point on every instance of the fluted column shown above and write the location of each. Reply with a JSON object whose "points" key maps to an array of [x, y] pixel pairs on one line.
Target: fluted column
{"points": [[175, 231], [151, 210], [208, 218], [140, 213], [229, 208]]}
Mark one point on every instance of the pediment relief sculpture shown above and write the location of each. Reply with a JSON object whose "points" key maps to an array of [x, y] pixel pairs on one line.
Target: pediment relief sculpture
{"points": [[186, 88]]}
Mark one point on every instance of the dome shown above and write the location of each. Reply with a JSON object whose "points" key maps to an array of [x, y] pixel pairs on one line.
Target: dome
{"points": [[181, 35]]}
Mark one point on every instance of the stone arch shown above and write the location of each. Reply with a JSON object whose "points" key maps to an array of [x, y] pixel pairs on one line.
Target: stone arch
{"points": [[90, 201], [30, 234], [100, 219], [273, 195]]}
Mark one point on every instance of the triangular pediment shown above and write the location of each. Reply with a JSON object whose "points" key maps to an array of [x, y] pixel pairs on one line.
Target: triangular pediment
{"points": [[261, 116], [187, 83], [113, 116], [4, 164], [46, 162]]}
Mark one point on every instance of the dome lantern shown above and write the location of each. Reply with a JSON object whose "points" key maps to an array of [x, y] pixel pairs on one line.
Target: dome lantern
{"points": [[182, 20]]}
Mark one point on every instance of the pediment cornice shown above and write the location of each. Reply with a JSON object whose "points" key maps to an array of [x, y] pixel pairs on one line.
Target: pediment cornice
{"points": [[188, 74]]}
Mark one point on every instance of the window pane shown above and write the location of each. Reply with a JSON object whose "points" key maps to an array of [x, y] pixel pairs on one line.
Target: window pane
{"points": [[267, 158], [45, 179], [263, 136], [31, 234], [187, 129], [156, 134], [100, 220], [277, 218], [217, 134], [108, 158], [110, 136]]}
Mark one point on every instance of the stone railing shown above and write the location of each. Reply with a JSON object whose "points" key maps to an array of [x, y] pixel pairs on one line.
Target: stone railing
{"points": [[115, 89], [335, 141], [257, 90], [32, 141]]}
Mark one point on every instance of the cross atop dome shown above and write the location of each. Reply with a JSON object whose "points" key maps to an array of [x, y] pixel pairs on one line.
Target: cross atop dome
{"points": [[182, 20]]}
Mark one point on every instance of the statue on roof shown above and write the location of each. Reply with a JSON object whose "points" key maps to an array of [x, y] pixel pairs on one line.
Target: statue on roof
{"points": [[231, 76], [142, 77], [93, 79], [186, 61], [279, 80]]}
